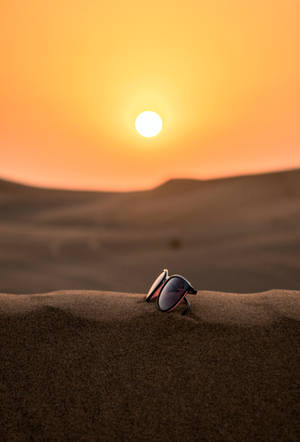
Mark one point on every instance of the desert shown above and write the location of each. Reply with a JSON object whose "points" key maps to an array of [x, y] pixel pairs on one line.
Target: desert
{"points": [[149, 221], [84, 357]]}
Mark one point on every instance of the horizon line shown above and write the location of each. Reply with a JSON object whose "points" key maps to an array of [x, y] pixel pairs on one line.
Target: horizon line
{"points": [[32, 184]]}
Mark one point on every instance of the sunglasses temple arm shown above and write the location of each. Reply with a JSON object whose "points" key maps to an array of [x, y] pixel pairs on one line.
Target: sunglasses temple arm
{"points": [[188, 306], [192, 291]]}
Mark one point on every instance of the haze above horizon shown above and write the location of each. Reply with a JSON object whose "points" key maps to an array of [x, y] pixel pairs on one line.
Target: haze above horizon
{"points": [[223, 76]]}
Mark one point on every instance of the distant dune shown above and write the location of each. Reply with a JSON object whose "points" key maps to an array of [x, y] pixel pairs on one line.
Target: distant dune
{"points": [[234, 234], [88, 365]]}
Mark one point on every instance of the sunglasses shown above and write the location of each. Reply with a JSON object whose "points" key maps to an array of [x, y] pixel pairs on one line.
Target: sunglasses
{"points": [[169, 291]]}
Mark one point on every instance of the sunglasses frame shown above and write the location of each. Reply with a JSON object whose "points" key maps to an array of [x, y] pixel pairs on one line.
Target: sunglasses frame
{"points": [[150, 295], [190, 290]]}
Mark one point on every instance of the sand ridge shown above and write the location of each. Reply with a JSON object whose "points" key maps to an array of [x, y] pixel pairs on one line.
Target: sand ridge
{"points": [[211, 307]]}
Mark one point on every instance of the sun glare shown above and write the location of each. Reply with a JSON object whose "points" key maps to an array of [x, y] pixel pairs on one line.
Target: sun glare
{"points": [[148, 124]]}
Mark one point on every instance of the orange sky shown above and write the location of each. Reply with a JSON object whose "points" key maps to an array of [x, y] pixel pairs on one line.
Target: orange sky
{"points": [[224, 76]]}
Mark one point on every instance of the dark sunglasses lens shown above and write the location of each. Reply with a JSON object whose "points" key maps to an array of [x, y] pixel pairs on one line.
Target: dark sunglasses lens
{"points": [[172, 293], [153, 291]]}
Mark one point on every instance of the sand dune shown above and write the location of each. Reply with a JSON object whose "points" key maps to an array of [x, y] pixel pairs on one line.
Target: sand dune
{"points": [[237, 234], [108, 366]]}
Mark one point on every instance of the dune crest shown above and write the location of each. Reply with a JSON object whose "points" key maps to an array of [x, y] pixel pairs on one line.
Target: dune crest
{"points": [[210, 307]]}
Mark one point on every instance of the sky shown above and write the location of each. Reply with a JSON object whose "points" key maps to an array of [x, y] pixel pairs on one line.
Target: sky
{"points": [[223, 75]]}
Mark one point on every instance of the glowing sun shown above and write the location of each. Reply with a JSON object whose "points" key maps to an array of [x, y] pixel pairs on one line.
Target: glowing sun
{"points": [[148, 124]]}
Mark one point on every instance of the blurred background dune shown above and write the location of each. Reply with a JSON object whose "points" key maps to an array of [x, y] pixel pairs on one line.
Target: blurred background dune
{"points": [[236, 234]]}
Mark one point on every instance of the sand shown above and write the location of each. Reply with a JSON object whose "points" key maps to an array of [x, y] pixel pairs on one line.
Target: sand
{"points": [[91, 365]]}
